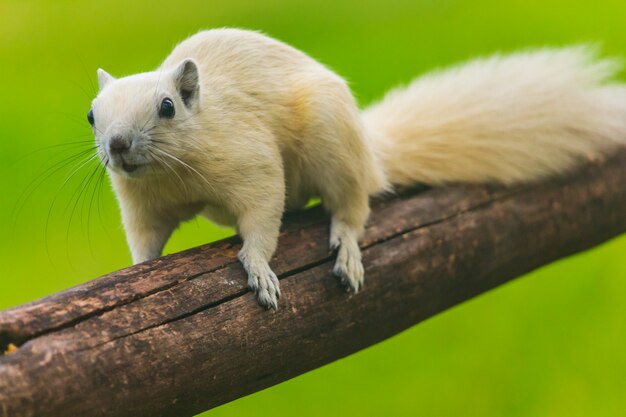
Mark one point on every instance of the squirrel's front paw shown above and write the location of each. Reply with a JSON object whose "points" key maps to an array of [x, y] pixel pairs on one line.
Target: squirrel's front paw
{"points": [[349, 267], [264, 282]]}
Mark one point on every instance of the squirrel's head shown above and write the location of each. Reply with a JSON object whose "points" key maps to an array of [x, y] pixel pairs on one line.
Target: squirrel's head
{"points": [[137, 119]]}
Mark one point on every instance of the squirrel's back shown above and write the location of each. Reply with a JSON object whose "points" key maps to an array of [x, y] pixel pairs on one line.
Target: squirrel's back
{"points": [[243, 54], [501, 119]]}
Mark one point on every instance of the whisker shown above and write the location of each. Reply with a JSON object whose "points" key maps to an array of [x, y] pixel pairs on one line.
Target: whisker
{"points": [[177, 146], [75, 144], [185, 147], [76, 197], [58, 192], [189, 167], [156, 88], [41, 179], [76, 84], [99, 197], [93, 179], [182, 182], [82, 64]]}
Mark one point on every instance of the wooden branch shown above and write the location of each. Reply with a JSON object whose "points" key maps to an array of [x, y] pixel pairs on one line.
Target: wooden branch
{"points": [[180, 335]]}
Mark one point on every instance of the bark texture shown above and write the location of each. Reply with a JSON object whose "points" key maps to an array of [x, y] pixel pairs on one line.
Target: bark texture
{"points": [[182, 334]]}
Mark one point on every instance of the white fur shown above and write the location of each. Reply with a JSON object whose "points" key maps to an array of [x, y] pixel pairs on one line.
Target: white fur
{"points": [[502, 119], [264, 127]]}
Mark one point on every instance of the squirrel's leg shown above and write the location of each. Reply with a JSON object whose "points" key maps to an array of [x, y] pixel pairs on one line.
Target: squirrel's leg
{"points": [[259, 230], [146, 233], [349, 215]]}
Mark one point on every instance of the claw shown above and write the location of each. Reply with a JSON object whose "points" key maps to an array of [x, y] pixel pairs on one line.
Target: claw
{"points": [[334, 244], [349, 269], [267, 288], [267, 300]]}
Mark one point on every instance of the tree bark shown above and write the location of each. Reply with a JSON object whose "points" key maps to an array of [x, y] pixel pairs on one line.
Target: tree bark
{"points": [[182, 334]]}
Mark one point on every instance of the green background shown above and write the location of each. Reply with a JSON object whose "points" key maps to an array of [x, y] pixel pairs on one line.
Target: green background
{"points": [[550, 344]]}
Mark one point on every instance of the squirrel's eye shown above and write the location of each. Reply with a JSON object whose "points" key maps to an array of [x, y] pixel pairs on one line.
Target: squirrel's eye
{"points": [[90, 118], [167, 108]]}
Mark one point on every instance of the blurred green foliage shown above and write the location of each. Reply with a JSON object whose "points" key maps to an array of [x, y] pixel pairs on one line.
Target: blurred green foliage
{"points": [[551, 344]]}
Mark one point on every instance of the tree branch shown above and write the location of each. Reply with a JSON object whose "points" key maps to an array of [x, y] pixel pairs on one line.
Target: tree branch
{"points": [[182, 334]]}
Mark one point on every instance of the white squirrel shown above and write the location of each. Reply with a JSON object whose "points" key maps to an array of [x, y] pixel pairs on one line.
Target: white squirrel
{"points": [[237, 126]]}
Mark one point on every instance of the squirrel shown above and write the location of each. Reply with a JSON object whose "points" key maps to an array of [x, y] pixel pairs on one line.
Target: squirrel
{"points": [[239, 127]]}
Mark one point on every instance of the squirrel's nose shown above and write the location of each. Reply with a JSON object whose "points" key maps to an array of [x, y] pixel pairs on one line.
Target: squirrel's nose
{"points": [[118, 144]]}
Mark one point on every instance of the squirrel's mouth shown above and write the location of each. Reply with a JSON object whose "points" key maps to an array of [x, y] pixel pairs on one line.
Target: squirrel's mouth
{"points": [[126, 165], [129, 168]]}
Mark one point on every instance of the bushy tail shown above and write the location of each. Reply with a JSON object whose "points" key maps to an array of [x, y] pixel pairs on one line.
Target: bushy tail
{"points": [[502, 119]]}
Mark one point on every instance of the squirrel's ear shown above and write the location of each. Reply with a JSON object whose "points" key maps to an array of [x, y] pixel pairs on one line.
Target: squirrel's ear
{"points": [[187, 81], [104, 78]]}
